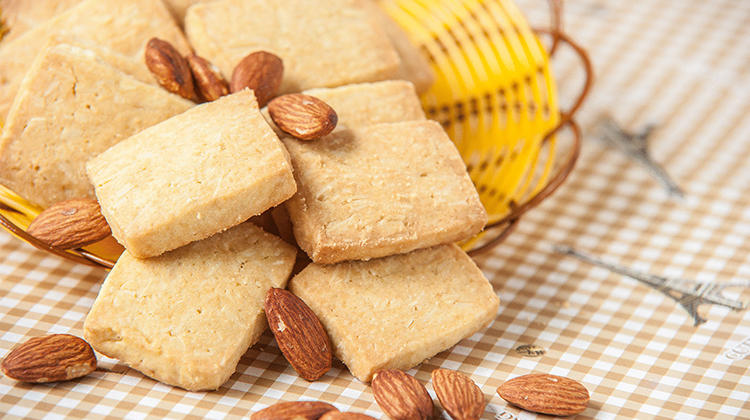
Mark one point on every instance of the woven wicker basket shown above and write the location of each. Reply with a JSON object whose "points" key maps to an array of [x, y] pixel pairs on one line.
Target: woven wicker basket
{"points": [[494, 94]]}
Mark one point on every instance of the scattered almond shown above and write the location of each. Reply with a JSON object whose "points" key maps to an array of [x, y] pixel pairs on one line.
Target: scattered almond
{"points": [[546, 394], [294, 410], [57, 357], [303, 116], [260, 71], [401, 396], [70, 224], [458, 394], [209, 82], [299, 334], [170, 68], [336, 415]]}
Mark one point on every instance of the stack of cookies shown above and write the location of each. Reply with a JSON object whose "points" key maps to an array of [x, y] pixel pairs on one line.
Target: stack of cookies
{"points": [[368, 210]]}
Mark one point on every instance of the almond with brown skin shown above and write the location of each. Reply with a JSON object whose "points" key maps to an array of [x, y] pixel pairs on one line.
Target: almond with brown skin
{"points": [[70, 224], [170, 68], [297, 410], [303, 116], [401, 396], [260, 71], [57, 357], [299, 334], [458, 394], [336, 415], [546, 394], [209, 82]]}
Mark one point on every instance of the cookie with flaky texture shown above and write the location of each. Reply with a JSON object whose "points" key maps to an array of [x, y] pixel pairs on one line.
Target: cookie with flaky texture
{"points": [[395, 312], [72, 106], [186, 317], [323, 43], [191, 176]]}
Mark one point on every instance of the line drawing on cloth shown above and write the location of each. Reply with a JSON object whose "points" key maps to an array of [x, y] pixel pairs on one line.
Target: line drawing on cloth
{"points": [[738, 351], [689, 294], [635, 146], [500, 413]]}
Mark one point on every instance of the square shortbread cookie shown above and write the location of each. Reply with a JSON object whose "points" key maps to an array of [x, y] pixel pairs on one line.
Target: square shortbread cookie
{"points": [[397, 311], [23, 15], [180, 7], [196, 174], [185, 318], [123, 26], [363, 104], [323, 43], [379, 190], [132, 66], [72, 106]]}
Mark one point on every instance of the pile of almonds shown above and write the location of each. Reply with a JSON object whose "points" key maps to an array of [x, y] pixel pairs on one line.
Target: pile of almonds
{"points": [[195, 78], [62, 357]]}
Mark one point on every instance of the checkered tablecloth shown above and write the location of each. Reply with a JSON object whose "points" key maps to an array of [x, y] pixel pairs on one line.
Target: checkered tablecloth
{"points": [[682, 65]]}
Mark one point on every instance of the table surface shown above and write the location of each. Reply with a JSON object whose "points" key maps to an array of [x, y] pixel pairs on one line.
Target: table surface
{"points": [[681, 65]]}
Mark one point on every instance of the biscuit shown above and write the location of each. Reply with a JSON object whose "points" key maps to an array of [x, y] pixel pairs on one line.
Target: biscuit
{"points": [[364, 104], [122, 26], [380, 190], [395, 312], [191, 176], [185, 318], [179, 8], [414, 66], [22, 15], [323, 43], [72, 106], [129, 65]]}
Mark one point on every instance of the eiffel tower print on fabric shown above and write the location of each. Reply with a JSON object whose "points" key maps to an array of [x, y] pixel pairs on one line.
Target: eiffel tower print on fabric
{"points": [[635, 146], [688, 293]]}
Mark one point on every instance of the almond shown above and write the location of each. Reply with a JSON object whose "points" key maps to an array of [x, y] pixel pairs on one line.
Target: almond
{"points": [[260, 71], [297, 410], [209, 82], [336, 415], [299, 334], [303, 116], [70, 224], [458, 394], [57, 357], [401, 396], [170, 68], [546, 394]]}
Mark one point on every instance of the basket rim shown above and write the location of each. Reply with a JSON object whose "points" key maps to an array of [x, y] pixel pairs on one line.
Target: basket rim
{"points": [[509, 222]]}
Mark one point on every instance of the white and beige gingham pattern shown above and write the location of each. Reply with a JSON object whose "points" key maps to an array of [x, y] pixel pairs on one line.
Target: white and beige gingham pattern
{"points": [[680, 64]]}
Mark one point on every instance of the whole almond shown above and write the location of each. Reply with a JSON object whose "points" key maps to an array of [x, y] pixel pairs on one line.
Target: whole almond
{"points": [[209, 82], [299, 334], [546, 394], [336, 415], [401, 396], [297, 410], [170, 68], [303, 116], [458, 394], [260, 71], [70, 224], [57, 357]]}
